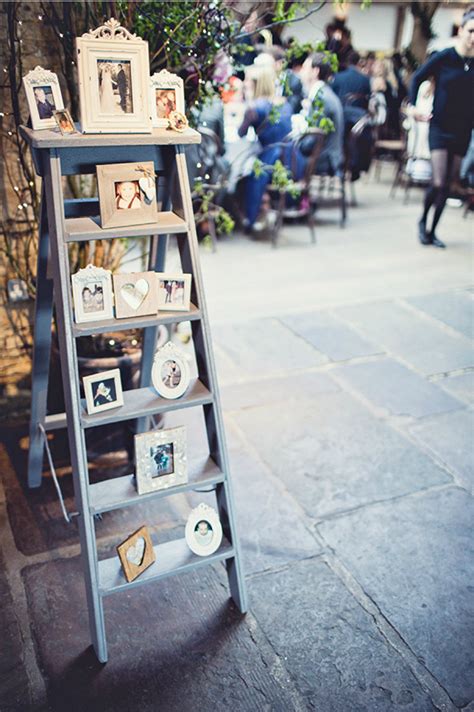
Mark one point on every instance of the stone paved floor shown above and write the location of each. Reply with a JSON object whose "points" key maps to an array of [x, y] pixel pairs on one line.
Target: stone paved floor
{"points": [[346, 373]]}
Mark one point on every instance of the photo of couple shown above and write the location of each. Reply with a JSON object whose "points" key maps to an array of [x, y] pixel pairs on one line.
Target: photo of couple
{"points": [[115, 86]]}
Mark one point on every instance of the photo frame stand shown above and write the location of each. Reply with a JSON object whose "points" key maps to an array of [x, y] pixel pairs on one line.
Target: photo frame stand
{"points": [[64, 221]]}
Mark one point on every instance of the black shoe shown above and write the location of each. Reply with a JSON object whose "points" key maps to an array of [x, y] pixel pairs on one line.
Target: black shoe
{"points": [[423, 236], [436, 242]]}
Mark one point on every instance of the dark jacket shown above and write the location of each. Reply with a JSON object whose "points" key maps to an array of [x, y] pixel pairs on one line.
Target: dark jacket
{"points": [[353, 89], [293, 90]]}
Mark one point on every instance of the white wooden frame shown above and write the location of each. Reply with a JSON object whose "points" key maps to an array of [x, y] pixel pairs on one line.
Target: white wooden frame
{"points": [[170, 306], [147, 480], [37, 79], [89, 383], [203, 545], [84, 278], [170, 352], [166, 81], [116, 44]]}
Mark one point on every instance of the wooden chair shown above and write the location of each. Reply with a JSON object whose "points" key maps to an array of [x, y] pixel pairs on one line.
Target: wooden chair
{"points": [[306, 206]]}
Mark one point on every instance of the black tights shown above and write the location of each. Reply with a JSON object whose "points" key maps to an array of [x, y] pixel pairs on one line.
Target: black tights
{"points": [[446, 166]]}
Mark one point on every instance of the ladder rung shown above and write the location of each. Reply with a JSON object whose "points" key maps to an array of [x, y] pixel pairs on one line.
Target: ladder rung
{"points": [[173, 557], [121, 491], [88, 228], [55, 422], [141, 322], [142, 402]]}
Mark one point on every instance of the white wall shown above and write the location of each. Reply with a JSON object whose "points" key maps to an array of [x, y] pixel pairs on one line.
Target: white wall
{"points": [[374, 28]]}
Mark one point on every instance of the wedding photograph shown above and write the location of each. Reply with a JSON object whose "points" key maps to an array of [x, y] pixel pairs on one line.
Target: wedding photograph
{"points": [[171, 374], [174, 291], [162, 457], [115, 91]]}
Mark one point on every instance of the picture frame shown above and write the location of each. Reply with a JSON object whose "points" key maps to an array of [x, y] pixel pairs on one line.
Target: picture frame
{"points": [[161, 460], [113, 68], [64, 122], [17, 291], [203, 530], [127, 194], [44, 97], [92, 294], [174, 291], [166, 91], [136, 294], [170, 373], [136, 553], [103, 391]]}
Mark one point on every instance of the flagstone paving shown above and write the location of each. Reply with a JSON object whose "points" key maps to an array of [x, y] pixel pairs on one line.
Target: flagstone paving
{"points": [[346, 374]]}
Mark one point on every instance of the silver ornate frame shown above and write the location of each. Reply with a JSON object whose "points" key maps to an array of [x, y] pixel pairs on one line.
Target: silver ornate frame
{"points": [[144, 475]]}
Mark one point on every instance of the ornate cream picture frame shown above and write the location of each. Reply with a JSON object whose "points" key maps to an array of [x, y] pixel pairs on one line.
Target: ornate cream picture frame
{"points": [[43, 94], [166, 96], [203, 530], [170, 374], [113, 68], [92, 294]]}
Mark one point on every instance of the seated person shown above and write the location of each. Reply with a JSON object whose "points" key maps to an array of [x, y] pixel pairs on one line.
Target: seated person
{"points": [[270, 118], [353, 89]]}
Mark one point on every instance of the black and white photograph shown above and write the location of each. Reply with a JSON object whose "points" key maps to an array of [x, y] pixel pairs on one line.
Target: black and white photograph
{"points": [[161, 459], [203, 530], [92, 294], [115, 86], [17, 291], [103, 391], [174, 291], [171, 373]]}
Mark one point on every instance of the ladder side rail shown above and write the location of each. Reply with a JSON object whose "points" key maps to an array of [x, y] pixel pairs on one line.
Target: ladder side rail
{"points": [[77, 443], [189, 251], [41, 350]]}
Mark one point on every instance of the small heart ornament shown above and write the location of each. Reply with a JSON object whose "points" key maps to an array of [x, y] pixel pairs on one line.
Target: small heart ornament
{"points": [[136, 552], [147, 185], [135, 294]]}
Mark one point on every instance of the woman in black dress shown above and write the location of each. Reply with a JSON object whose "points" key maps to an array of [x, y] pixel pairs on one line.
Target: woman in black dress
{"points": [[452, 119]]}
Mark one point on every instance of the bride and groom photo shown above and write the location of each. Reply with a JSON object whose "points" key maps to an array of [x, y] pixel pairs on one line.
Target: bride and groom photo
{"points": [[114, 86]]}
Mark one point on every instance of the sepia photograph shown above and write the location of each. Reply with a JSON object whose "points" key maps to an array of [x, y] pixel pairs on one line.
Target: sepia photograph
{"points": [[165, 100], [166, 96], [92, 293], [115, 91]]}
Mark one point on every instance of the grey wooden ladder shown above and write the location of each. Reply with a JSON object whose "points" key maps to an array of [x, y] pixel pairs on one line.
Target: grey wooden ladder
{"points": [[66, 221]]}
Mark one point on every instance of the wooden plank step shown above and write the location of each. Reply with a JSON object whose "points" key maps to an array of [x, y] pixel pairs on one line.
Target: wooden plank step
{"points": [[141, 322], [121, 491], [55, 422], [141, 402], [173, 557], [52, 138], [88, 228]]}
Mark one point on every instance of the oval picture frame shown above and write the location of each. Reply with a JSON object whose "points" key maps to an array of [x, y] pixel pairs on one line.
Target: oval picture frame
{"points": [[205, 543], [168, 362]]}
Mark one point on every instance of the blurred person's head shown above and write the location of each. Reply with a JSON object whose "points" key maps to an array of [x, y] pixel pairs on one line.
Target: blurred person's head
{"points": [[320, 66], [265, 82], [353, 59], [265, 59], [466, 33]]}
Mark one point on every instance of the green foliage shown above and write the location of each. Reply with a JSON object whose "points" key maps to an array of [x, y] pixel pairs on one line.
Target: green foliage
{"points": [[317, 119]]}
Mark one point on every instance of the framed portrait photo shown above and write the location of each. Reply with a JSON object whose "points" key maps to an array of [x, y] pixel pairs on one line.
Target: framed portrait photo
{"points": [[43, 94], [136, 553], [160, 459], [166, 96], [136, 294], [203, 530], [174, 291], [92, 294], [17, 291], [103, 391], [127, 194], [170, 374], [113, 68], [64, 122]]}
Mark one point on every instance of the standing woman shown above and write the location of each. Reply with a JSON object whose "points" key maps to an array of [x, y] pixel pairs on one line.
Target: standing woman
{"points": [[451, 122]]}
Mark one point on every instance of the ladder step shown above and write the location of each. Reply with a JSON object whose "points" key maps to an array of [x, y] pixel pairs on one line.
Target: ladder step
{"points": [[141, 402], [88, 228], [121, 491], [141, 322], [173, 557], [55, 422]]}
